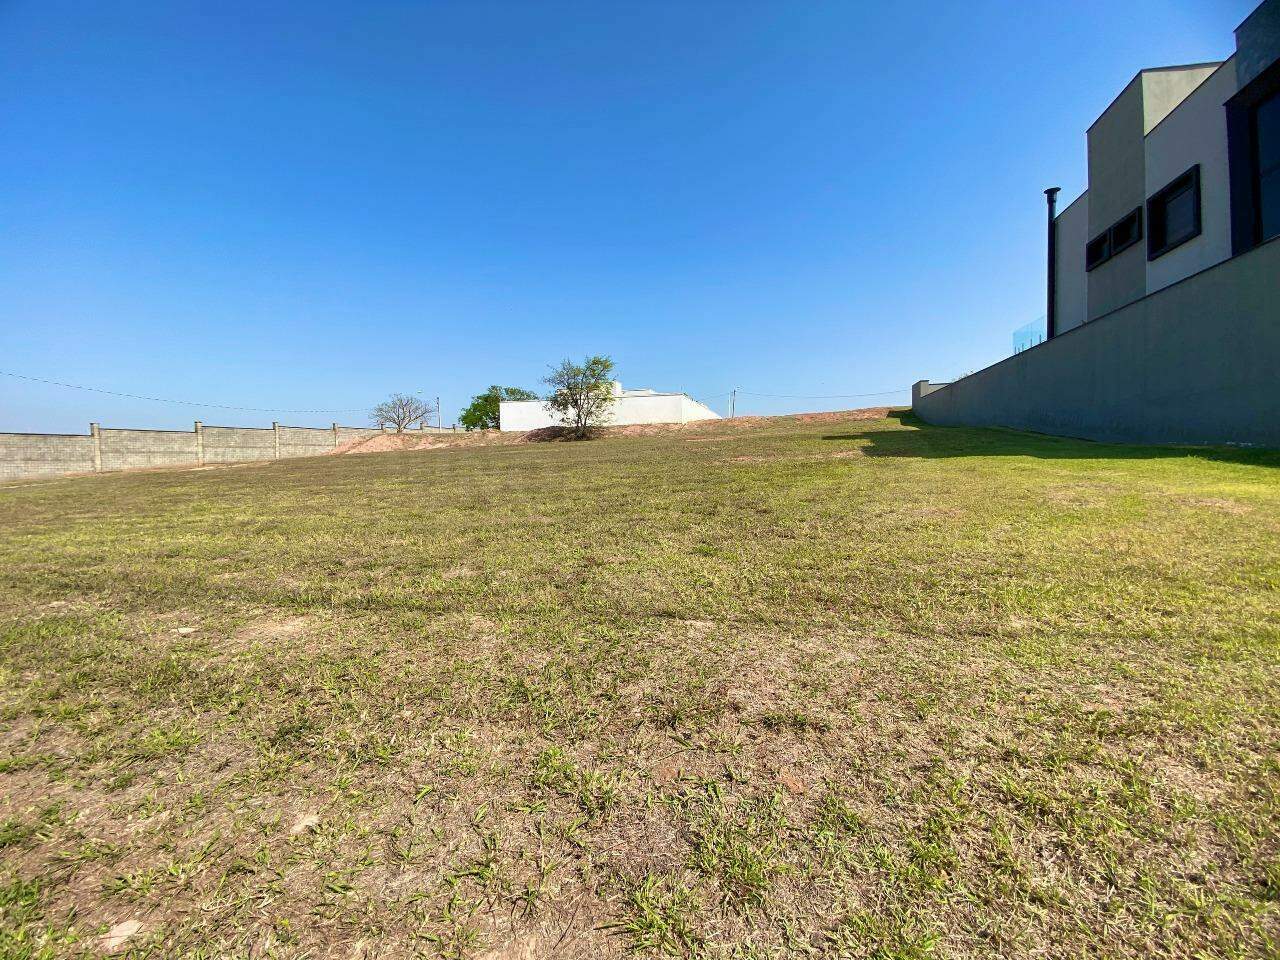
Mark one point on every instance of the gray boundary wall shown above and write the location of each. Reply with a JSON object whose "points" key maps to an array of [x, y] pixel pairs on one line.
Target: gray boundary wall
{"points": [[103, 448], [1197, 362]]}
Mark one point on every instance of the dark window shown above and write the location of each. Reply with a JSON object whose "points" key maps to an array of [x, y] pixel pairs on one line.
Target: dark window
{"points": [[1253, 151], [1126, 232], [1121, 235], [1173, 214], [1098, 250], [1266, 134]]}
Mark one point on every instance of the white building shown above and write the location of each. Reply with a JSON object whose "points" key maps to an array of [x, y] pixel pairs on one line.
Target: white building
{"points": [[629, 407]]}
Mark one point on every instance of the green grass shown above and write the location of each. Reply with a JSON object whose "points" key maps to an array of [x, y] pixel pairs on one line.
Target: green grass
{"points": [[850, 688]]}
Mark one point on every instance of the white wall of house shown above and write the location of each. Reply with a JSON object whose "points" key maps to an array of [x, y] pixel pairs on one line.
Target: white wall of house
{"points": [[1072, 284], [1194, 133], [692, 410], [525, 415], [627, 409]]}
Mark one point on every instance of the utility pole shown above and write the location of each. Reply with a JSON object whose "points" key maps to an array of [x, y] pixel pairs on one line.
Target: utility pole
{"points": [[439, 415], [733, 398]]}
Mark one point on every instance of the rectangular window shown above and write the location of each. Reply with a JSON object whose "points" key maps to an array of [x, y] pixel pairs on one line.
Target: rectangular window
{"points": [[1126, 232], [1173, 214], [1253, 152], [1120, 236], [1098, 250], [1266, 138]]}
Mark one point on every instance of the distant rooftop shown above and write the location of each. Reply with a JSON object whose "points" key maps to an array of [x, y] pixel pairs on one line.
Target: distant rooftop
{"points": [[618, 391]]}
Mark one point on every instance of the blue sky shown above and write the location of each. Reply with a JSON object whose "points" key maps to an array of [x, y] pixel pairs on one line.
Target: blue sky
{"points": [[309, 205]]}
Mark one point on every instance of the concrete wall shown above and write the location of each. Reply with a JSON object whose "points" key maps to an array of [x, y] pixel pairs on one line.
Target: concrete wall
{"points": [[306, 441], [524, 415], [1119, 181], [1072, 289], [44, 455], [1195, 133], [1195, 362], [691, 410], [355, 433], [1117, 184], [237, 444], [922, 388], [1257, 42], [122, 449], [1164, 89]]}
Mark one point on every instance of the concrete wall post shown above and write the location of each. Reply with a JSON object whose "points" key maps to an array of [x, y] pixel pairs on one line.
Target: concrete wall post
{"points": [[275, 427], [922, 388], [199, 443], [97, 447]]}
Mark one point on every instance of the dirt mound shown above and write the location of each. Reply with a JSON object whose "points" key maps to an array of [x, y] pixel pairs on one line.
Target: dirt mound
{"points": [[743, 423], [391, 442], [383, 443], [413, 440], [866, 413], [545, 435], [642, 429]]}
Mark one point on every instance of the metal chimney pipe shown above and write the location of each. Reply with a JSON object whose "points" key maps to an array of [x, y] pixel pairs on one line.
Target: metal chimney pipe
{"points": [[1051, 308]]}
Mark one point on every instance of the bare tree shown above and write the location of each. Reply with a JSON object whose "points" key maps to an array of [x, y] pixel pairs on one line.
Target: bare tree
{"points": [[401, 411], [582, 395]]}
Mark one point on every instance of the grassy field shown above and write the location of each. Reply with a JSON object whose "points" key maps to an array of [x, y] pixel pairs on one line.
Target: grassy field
{"points": [[812, 689]]}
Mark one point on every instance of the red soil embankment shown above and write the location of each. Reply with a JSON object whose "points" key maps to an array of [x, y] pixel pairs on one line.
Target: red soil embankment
{"points": [[391, 442]]}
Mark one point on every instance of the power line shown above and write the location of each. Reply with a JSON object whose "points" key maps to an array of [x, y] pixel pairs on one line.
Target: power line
{"points": [[188, 403], [224, 406]]}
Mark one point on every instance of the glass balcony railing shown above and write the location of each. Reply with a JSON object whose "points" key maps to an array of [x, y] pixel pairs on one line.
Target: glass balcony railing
{"points": [[1029, 334]]}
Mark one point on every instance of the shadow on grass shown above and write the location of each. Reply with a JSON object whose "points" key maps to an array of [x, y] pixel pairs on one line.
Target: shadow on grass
{"points": [[928, 441]]}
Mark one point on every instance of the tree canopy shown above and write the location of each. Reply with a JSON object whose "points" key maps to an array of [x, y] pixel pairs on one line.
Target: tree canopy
{"points": [[482, 414], [581, 394]]}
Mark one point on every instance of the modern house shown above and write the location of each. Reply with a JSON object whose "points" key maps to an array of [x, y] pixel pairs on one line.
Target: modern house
{"points": [[1172, 252], [629, 407]]}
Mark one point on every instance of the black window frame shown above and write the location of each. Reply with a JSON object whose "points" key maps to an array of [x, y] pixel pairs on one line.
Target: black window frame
{"points": [[1256, 161], [1135, 215], [1156, 245], [1091, 263], [1242, 158], [1107, 238]]}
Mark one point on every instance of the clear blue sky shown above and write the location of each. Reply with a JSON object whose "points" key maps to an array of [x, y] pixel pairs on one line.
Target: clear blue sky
{"points": [[311, 204]]}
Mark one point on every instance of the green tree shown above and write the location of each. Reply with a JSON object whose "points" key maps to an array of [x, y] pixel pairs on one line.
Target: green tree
{"points": [[582, 395], [483, 412]]}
